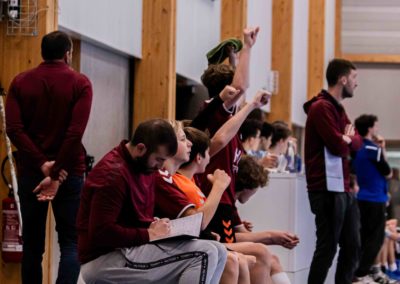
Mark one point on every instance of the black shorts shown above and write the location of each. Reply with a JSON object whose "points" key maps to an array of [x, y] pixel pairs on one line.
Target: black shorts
{"points": [[222, 223]]}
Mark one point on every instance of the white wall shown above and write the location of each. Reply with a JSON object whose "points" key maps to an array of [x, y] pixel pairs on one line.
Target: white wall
{"points": [[299, 61], [373, 27], [197, 31], [378, 93], [109, 118], [259, 13], [117, 24]]}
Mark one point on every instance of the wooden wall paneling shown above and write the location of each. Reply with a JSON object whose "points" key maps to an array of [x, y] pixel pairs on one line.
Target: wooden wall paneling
{"points": [[17, 54], [76, 55], [155, 77], [373, 58], [316, 47], [282, 28], [233, 18], [338, 29]]}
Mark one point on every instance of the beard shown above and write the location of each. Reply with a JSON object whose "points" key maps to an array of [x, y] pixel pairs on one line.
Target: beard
{"points": [[141, 164], [346, 93]]}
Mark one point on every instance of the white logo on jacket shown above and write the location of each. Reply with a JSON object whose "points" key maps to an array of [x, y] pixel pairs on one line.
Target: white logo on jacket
{"points": [[166, 176]]}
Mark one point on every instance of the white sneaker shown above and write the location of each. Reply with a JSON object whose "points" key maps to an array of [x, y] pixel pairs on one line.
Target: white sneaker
{"points": [[382, 278], [365, 280]]}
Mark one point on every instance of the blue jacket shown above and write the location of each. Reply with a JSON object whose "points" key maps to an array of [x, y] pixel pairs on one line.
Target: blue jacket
{"points": [[371, 169]]}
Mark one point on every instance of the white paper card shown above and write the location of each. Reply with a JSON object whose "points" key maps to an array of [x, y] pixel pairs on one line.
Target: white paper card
{"points": [[333, 172]]}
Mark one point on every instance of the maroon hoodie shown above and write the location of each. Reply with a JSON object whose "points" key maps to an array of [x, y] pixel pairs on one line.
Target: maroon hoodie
{"points": [[326, 122], [46, 113]]}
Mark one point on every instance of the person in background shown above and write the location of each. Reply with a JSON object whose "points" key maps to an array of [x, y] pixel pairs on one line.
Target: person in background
{"points": [[250, 132], [279, 144], [387, 255], [267, 160], [394, 190], [372, 170], [256, 135], [47, 111]]}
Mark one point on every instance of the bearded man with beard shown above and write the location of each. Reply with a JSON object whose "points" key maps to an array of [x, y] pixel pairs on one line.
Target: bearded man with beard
{"points": [[116, 222], [330, 138]]}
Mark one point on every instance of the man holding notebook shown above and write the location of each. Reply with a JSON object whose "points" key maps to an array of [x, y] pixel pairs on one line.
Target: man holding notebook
{"points": [[116, 224]]}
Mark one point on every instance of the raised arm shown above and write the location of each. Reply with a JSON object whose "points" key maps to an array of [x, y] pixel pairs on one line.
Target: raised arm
{"points": [[230, 128], [220, 181], [242, 74], [202, 119]]}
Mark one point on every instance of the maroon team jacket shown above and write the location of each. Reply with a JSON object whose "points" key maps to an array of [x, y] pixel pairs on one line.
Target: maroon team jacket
{"points": [[326, 122]]}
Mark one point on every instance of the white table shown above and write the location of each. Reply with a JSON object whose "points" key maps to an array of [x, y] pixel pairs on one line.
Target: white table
{"points": [[283, 205]]}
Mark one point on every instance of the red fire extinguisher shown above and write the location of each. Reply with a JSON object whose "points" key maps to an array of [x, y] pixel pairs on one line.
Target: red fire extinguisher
{"points": [[11, 249], [11, 244]]}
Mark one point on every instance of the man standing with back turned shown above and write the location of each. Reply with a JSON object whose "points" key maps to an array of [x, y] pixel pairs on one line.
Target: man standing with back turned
{"points": [[47, 111], [329, 139]]}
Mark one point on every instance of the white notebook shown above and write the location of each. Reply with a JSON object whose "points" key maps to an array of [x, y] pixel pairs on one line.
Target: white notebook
{"points": [[185, 227]]}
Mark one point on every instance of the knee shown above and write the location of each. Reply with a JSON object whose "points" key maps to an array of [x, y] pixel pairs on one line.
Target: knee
{"points": [[232, 264], [263, 255], [216, 250], [275, 259], [276, 266], [221, 250], [247, 261]]}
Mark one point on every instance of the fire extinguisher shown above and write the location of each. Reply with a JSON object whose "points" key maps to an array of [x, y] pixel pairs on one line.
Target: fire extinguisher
{"points": [[11, 247]]}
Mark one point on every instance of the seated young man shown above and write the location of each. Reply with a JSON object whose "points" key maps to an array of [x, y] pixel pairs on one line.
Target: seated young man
{"points": [[172, 202], [250, 177], [386, 258], [256, 138], [250, 132], [265, 159], [116, 222], [279, 144], [220, 111]]}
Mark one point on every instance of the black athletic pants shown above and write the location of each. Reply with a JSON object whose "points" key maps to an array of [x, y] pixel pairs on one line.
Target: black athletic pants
{"points": [[337, 223], [372, 233]]}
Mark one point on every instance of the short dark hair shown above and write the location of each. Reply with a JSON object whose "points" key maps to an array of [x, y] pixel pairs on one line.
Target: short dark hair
{"points": [[365, 121], [257, 114], [55, 45], [200, 143], [154, 133], [336, 69], [251, 175], [281, 131], [216, 77], [267, 130], [249, 128]]}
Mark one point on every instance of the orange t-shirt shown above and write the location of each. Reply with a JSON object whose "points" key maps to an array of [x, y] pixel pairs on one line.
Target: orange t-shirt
{"points": [[190, 189]]}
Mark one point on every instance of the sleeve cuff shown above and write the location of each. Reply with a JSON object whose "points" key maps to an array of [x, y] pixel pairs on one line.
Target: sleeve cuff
{"points": [[54, 175], [184, 209]]}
